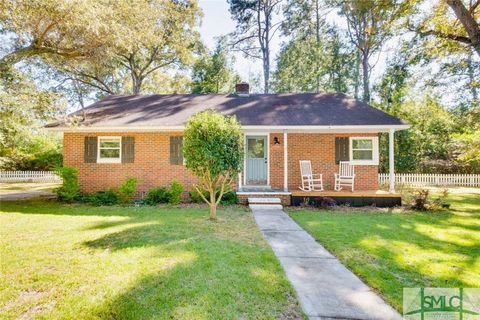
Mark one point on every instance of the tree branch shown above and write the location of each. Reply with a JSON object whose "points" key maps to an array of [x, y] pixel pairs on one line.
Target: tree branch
{"points": [[450, 36]]}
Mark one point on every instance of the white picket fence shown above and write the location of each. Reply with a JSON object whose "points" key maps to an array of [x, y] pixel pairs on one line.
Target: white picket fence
{"points": [[29, 176], [432, 179]]}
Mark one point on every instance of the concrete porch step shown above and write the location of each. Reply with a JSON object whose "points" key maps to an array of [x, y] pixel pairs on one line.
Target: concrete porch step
{"points": [[265, 206], [253, 200]]}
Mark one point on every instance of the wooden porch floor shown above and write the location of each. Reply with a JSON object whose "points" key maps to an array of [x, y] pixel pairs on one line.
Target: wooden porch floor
{"points": [[345, 193]]}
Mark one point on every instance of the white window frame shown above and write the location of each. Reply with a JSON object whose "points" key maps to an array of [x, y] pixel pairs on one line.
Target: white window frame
{"points": [[109, 160], [375, 156]]}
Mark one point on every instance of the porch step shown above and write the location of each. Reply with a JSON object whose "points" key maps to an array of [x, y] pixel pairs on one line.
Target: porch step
{"points": [[265, 206], [265, 203], [264, 200]]}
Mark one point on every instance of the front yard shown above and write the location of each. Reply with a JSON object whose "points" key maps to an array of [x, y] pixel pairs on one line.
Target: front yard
{"points": [[391, 250], [71, 261]]}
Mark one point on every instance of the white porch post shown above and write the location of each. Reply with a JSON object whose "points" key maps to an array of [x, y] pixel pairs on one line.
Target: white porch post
{"points": [[391, 160], [285, 161], [239, 186]]}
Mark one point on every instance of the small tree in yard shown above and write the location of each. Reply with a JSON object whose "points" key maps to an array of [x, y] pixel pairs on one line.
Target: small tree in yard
{"points": [[213, 150]]}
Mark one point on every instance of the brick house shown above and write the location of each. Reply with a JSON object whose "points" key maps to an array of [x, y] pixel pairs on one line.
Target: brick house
{"points": [[141, 136]]}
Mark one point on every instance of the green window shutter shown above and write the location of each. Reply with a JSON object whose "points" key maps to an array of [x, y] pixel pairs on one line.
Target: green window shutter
{"points": [[341, 149], [128, 149], [176, 146], [90, 150]]}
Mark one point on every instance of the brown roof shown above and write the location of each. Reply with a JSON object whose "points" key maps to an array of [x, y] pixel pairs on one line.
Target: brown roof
{"points": [[302, 109]]}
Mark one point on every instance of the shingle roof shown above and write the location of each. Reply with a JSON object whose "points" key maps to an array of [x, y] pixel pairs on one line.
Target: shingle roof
{"points": [[292, 109]]}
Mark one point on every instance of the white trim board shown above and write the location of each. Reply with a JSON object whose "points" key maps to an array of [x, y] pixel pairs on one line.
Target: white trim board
{"points": [[247, 129]]}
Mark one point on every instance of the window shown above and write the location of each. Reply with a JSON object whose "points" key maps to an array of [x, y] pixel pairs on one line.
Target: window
{"points": [[176, 153], [109, 150], [364, 150]]}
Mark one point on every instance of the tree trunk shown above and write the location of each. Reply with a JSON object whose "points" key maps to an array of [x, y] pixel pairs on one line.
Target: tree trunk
{"points": [[213, 206], [366, 77], [472, 80], [266, 74], [266, 54], [136, 83], [357, 74], [264, 40], [468, 21], [317, 52]]}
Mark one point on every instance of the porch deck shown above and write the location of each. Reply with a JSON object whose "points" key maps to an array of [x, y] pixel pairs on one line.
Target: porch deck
{"points": [[344, 193], [378, 198]]}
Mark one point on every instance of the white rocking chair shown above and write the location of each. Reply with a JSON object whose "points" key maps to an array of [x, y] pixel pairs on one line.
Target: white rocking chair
{"points": [[345, 177], [310, 181]]}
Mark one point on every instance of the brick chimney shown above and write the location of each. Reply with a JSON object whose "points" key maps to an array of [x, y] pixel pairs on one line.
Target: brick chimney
{"points": [[242, 89]]}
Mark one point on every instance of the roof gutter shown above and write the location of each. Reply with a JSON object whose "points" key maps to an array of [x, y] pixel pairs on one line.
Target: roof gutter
{"points": [[263, 128]]}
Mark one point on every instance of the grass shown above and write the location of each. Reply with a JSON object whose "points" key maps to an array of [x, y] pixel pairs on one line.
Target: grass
{"points": [[391, 250], [63, 261]]}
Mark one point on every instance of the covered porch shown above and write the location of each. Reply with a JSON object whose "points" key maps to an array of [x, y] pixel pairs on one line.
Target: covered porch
{"points": [[272, 160]]}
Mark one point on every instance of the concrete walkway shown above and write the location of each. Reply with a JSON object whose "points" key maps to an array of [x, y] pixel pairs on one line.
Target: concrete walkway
{"points": [[326, 289]]}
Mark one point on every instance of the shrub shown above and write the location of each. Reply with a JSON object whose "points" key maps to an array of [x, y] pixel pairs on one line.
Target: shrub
{"points": [[195, 197], [70, 189], [441, 202], [420, 200], [157, 195], [108, 197], [325, 202], [175, 193], [126, 191], [229, 198]]}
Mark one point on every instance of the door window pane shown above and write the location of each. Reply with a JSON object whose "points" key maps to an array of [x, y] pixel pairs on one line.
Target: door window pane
{"points": [[256, 148]]}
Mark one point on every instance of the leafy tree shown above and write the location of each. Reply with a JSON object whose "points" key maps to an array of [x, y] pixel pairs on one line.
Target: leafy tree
{"points": [[393, 87], [430, 138], [213, 73], [213, 150], [448, 52], [469, 149], [23, 106], [370, 23], [255, 30], [129, 41], [306, 66], [304, 19], [50, 28], [461, 29]]}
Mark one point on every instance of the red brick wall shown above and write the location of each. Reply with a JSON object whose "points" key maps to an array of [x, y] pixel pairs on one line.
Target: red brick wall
{"points": [[276, 161], [152, 161], [151, 167], [320, 149]]}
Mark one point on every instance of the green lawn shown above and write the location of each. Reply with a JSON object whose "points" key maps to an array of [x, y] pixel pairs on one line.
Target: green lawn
{"points": [[395, 250], [77, 261]]}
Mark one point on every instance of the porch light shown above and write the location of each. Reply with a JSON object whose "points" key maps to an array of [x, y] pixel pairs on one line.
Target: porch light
{"points": [[275, 140]]}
